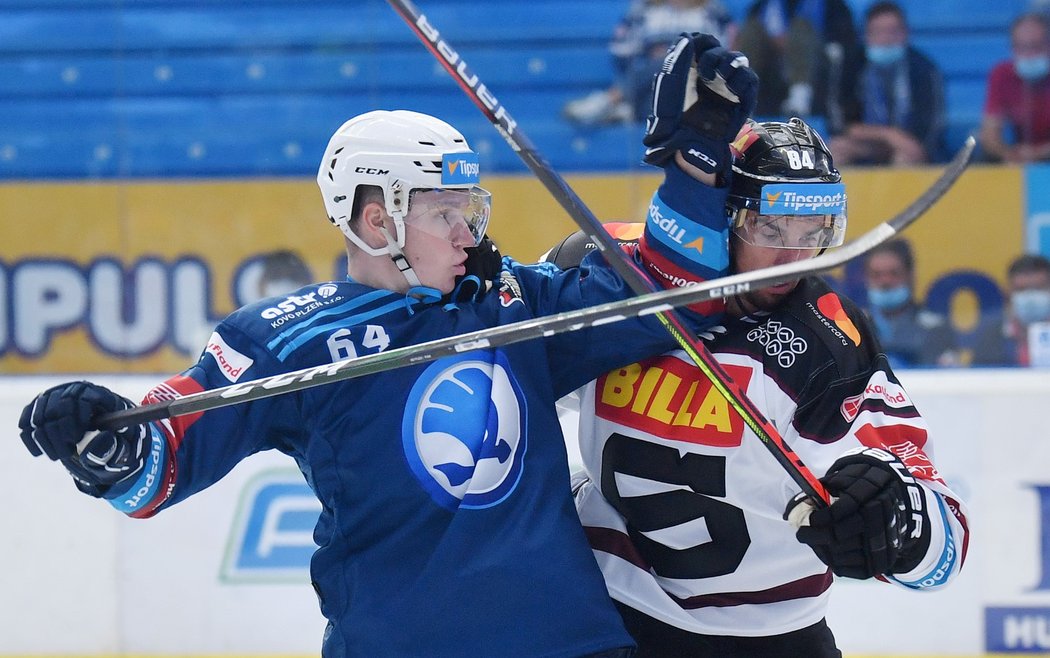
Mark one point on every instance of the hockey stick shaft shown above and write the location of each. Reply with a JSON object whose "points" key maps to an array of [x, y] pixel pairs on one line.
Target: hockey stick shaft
{"points": [[545, 326], [691, 344], [482, 96]]}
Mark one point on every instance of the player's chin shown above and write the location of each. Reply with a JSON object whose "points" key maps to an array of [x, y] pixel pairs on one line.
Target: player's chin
{"points": [[769, 298], [447, 285]]}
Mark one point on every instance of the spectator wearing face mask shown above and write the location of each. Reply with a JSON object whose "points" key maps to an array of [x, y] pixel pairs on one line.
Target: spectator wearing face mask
{"points": [[1005, 340], [1015, 126], [911, 336], [638, 48], [895, 113]]}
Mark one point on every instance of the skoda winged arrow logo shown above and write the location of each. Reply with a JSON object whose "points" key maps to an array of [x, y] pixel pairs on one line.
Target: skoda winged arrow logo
{"points": [[464, 431]]}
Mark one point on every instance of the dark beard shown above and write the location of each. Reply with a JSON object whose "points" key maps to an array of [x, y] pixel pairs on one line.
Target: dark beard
{"points": [[747, 304]]}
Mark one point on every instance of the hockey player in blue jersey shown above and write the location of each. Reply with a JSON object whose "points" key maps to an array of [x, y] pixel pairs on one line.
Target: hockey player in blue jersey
{"points": [[447, 527]]}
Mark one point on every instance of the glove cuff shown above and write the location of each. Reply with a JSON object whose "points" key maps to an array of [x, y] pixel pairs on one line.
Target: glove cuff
{"points": [[912, 502]]}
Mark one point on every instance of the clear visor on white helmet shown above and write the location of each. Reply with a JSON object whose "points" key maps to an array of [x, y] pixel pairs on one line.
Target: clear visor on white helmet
{"points": [[793, 216], [456, 215]]}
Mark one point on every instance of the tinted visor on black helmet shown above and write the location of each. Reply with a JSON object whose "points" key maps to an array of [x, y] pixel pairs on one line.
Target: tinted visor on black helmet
{"points": [[792, 216], [785, 191]]}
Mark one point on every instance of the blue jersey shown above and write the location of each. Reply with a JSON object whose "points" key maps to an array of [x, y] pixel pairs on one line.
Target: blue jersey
{"points": [[447, 526]]}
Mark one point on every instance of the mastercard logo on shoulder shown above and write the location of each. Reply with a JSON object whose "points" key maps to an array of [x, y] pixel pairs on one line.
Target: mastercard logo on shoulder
{"points": [[831, 306]]}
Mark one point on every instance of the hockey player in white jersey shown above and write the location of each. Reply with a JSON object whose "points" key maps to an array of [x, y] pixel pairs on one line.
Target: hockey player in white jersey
{"points": [[686, 510]]}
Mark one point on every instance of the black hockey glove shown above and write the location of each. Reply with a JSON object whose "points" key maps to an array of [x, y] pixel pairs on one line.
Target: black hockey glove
{"points": [[58, 424], [702, 96], [484, 263], [877, 523]]}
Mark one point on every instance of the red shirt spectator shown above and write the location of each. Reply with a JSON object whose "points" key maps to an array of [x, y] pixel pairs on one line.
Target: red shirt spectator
{"points": [[1023, 105], [1019, 97]]}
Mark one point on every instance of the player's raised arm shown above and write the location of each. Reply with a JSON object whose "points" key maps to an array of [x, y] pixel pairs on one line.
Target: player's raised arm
{"points": [[701, 98]]}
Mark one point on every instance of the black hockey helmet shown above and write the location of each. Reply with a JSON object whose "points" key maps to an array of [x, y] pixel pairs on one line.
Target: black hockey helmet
{"points": [[784, 170]]}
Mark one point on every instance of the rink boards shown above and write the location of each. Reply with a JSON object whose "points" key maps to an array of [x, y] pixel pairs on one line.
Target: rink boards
{"points": [[225, 572]]}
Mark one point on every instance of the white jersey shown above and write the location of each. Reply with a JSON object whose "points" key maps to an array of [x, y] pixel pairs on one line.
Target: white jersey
{"points": [[683, 504]]}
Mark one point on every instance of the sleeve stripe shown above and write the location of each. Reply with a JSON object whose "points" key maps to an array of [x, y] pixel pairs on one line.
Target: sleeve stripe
{"points": [[154, 483], [947, 563]]}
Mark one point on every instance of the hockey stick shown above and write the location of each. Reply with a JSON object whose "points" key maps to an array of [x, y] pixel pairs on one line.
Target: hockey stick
{"points": [[396, 358], [497, 114], [656, 302]]}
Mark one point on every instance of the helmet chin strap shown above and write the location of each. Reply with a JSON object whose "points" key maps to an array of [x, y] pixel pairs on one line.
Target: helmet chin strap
{"points": [[398, 256]]}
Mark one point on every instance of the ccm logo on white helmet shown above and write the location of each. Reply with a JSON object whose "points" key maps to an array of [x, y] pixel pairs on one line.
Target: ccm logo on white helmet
{"points": [[371, 171]]}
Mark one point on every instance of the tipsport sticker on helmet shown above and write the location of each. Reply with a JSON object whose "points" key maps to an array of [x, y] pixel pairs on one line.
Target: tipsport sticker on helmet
{"points": [[803, 199], [460, 169]]}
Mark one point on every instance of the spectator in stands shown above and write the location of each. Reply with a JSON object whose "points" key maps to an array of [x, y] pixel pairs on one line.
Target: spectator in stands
{"points": [[895, 113], [1015, 126], [1003, 341], [638, 48], [281, 273], [911, 335], [803, 52]]}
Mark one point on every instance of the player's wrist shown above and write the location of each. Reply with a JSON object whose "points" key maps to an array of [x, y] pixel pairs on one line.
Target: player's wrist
{"points": [[707, 156]]}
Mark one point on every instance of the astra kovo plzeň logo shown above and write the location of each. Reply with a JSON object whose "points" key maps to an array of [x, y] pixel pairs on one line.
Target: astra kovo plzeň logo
{"points": [[803, 199], [271, 539]]}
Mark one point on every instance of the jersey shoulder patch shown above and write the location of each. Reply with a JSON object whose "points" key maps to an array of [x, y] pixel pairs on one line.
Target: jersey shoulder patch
{"points": [[284, 324], [835, 321], [815, 338]]}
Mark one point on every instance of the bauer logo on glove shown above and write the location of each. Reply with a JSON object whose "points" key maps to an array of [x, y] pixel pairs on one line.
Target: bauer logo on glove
{"points": [[876, 524]]}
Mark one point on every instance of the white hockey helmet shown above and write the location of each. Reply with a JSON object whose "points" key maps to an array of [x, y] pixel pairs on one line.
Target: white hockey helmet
{"points": [[398, 151]]}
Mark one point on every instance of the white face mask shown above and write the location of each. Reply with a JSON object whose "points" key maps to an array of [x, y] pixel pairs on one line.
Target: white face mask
{"points": [[1031, 305], [1032, 68]]}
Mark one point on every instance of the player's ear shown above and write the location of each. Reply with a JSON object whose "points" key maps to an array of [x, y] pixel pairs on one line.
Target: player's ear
{"points": [[369, 225]]}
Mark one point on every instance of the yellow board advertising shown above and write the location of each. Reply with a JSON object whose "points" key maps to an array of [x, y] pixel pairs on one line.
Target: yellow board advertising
{"points": [[132, 276]]}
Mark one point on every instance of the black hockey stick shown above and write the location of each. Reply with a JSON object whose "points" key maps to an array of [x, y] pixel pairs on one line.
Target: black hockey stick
{"points": [[490, 106], [641, 305], [658, 303]]}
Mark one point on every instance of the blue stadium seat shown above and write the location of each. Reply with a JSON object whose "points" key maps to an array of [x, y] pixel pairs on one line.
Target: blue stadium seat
{"points": [[215, 26], [966, 96], [68, 75], [941, 16], [243, 87], [964, 55], [257, 86], [262, 135]]}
